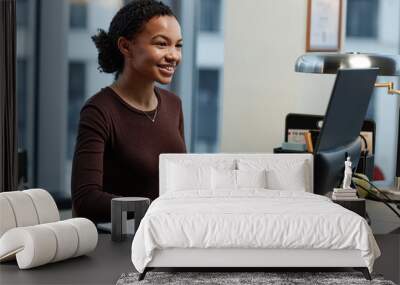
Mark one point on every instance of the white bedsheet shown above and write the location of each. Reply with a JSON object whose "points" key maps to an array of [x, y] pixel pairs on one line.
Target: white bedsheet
{"points": [[250, 218]]}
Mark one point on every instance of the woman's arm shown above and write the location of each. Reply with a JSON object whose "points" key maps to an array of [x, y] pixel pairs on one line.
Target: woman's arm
{"points": [[88, 198]]}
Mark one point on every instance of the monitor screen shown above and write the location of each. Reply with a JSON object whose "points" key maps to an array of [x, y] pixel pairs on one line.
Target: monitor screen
{"points": [[340, 131], [347, 108]]}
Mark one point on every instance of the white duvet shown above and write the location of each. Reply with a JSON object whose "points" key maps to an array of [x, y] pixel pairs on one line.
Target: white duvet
{"points": [[250, 218]]}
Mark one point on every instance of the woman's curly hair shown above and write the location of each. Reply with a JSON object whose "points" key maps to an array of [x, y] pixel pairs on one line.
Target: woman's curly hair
{"points": [[128, 22]]}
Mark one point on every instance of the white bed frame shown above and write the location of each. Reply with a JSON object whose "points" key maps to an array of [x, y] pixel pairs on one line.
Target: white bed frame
{"points": [[250, 258], [234, 257]]}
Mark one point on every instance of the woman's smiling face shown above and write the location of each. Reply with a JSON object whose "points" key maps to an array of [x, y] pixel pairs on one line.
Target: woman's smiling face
{"points": [[155, 52]]}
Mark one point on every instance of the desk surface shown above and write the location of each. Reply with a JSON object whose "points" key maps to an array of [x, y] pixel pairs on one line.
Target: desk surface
{"points": [[383, 220], [110, 259], [102, 266]]}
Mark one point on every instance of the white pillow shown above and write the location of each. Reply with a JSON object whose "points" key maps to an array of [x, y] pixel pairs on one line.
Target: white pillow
{"points": [[193, 173], [183, 177], [251, 178], [291, 179], [236, 179], [223, 179], [282, 173]]}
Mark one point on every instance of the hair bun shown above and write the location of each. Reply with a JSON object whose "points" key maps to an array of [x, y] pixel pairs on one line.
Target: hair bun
{"points": [[110, 58], [127, 23]]}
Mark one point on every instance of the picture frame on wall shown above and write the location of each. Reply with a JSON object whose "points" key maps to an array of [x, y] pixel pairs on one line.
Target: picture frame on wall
{"points": [[324, 23]]}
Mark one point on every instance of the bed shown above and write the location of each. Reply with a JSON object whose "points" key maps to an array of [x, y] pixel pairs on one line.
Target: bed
{"points": [[246, 211]]}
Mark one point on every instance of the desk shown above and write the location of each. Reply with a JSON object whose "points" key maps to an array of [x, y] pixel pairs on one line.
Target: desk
{"points": [[102, 266], [356, 205], [111, 259]]}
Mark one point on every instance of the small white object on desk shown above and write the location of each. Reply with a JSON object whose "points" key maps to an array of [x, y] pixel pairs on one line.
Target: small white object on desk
{"points": [[346, 192], [348, 173], [342, 197]]}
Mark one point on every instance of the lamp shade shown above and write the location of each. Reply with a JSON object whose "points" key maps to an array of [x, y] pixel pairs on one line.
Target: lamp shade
{"points": [[389, 65]]}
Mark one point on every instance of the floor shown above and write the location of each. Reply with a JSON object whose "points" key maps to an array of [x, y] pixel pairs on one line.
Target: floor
{"points": [[383, 220], [386, 227]]}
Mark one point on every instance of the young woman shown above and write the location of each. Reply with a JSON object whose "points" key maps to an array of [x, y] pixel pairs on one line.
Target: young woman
{"points": [[126, 126]]}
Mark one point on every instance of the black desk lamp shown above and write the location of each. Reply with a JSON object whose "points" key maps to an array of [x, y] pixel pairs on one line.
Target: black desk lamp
{"points": [[329, 63]]}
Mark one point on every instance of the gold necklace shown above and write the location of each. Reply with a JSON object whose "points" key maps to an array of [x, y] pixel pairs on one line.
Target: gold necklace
{"points": [[147, 115], [150, 118]]}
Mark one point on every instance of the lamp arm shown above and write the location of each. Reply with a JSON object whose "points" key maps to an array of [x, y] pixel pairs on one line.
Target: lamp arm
{"points": [[389, 86], [391, 90]]}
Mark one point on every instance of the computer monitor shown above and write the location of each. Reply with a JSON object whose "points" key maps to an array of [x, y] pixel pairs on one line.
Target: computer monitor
{"points": [[339, 136]]}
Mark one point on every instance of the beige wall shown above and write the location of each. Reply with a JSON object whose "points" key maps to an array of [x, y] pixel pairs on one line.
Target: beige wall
{"points": [[263, 38]]}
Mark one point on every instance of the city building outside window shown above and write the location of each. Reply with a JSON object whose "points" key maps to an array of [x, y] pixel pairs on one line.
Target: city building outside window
{"points": [[372, 27], [22, 102], [42, 128], [76, 98], [22, 13], [78, 14], [210, 15], [207, 111], [362, 18]]}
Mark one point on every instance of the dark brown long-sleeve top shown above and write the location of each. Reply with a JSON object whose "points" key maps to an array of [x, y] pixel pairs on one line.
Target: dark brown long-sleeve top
{"points": [[118, 148]]}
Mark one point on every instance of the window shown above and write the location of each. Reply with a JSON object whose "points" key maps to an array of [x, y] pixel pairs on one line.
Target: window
{"points": [[25, 81], [52, 88], [362, 16], [50, 133], [210, 11], [207, 111], [22, 102], [22, 13], [78, 15], [76, 97]]}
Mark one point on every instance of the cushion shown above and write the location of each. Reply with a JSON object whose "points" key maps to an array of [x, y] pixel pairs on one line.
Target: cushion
{"points": [[45, 205], [237, 179], [281, 173], [26, 208], [182, 177], [290, 179], [66, 237], [188, 174], [87, 234], [251, 178], [32, 246], [31, 232], [40, 244], [7, 220], [223, 179], [24, 211]]}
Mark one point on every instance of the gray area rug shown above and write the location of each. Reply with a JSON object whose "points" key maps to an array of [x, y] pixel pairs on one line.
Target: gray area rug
{"points": [[229, 278]]}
